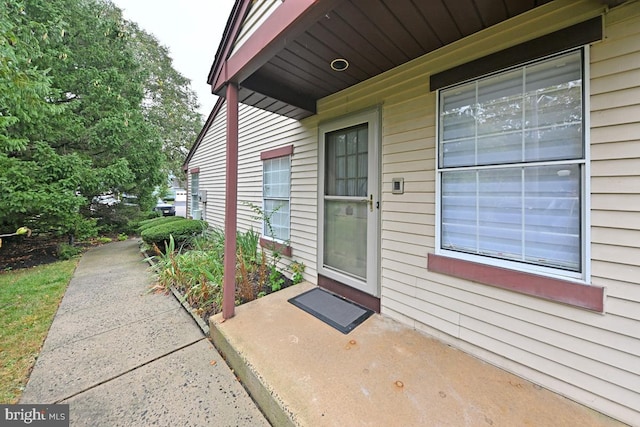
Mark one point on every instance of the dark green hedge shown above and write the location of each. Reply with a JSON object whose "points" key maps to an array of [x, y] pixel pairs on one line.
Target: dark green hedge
{"points": [[148, 223], [182, 231]]}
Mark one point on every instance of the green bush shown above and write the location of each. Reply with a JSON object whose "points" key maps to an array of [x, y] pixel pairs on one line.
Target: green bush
{"points": [[66, 251], [114, 219], [148, 223], [142, 218], [150, 215], [155, 219], [182, 231]]}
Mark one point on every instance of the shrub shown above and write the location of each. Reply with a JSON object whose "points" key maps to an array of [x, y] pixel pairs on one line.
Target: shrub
{"points": [[196, 273], [297, 270], [66, 251], [143, 225], [114, 219], [119, 218], [247, 245], [182, 231], [150, 215], [83, 228]]}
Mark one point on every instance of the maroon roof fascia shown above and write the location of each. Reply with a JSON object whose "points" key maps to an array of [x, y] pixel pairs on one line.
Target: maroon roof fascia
{"points": [[212, 116], [287, 21], [231, 30]]}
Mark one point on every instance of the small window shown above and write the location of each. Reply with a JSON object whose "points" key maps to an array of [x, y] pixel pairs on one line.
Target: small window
{"points": [[276, 193], [511, 160], [195, 205]]}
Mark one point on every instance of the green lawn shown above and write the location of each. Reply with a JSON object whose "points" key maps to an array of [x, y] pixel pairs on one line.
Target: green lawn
{"points": [[29, 299]]}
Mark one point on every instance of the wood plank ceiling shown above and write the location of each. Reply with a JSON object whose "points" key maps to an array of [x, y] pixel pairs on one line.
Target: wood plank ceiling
{"points": [[373, 36]]}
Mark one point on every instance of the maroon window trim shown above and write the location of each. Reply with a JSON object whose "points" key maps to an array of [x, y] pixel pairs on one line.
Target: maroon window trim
{"points": [[279, 247], [194, 170], [277, 152], [575, 294]]}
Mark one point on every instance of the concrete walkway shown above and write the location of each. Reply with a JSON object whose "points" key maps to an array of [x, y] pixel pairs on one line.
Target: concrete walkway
{"points": [[121, 356]]}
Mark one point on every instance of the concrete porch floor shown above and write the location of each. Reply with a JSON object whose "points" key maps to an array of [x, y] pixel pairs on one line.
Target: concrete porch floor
{"points": [[301, 371]]}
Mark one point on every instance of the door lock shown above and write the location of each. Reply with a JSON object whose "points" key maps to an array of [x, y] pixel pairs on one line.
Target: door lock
{"points": [[370, 202]]}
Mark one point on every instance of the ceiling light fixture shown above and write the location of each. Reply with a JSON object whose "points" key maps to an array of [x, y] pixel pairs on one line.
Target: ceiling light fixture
{"points": [[339, 64]]}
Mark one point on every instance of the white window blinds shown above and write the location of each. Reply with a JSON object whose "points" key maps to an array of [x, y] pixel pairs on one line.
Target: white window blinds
{"points": [[276, 192], [511, 155]]}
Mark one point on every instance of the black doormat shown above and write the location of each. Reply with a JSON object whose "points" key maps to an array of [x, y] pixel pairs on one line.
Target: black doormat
{"points": [[338, 312]]}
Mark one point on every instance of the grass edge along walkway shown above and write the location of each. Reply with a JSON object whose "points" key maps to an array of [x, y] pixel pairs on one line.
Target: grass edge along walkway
{"points": [[29, 299]]}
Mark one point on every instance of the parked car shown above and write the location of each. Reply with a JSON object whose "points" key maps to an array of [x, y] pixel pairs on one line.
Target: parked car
{"points": [[105, 199], [129, 199], [165, 208]]}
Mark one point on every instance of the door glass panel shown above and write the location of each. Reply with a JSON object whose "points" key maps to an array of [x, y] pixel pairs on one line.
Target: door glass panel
{"points": [[346, 162], [346, 206], [345, 237]]}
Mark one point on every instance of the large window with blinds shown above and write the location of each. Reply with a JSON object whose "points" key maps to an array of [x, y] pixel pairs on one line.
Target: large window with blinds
{"points": [[511, 160]]}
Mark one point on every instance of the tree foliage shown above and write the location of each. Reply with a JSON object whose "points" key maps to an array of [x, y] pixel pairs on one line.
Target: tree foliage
{"points": [[23, 86], [89, 104], [169, 102]]}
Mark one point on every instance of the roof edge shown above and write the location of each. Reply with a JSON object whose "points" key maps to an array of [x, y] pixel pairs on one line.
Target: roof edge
{"points": [[287, 21], [231, 30]]}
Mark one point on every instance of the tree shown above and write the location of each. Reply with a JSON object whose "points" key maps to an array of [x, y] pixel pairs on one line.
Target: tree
{"points": [[38, 190], [23, 86], [27, 188], [94, 137], [89, 104], [101, 87], [170, 104]]}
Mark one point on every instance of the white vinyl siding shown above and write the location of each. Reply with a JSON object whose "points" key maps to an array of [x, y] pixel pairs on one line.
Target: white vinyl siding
{"points": [[261, 131], [259, 11], [593, 358], [210, 157]]}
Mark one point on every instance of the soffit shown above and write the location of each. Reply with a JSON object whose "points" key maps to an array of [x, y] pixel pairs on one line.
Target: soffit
{"points": [[374, 36]]}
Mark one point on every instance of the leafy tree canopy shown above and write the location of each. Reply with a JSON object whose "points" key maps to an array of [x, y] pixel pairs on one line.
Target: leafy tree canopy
{"points": [[169, 102], [89, 104]]}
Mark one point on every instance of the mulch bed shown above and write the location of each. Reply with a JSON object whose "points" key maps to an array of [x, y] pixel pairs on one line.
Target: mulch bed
{"points": [[24, 252], [205, 312], [19, 252]]}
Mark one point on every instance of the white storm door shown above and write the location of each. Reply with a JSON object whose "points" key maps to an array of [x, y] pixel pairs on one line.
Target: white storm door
{"points": [[348, 238]]}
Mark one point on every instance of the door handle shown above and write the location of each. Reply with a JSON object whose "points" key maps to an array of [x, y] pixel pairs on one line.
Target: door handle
{"points": [[370, 202]]}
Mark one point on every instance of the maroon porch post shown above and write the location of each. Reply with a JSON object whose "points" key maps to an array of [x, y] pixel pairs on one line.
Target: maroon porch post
{"points": [[231, 205]]}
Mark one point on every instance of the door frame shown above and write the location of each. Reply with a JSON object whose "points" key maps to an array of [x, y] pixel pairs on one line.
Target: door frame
{"points": [[372, 117]]}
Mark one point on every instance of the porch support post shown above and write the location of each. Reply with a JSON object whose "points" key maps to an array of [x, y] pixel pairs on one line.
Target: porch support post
{"points": [[231, 204]]}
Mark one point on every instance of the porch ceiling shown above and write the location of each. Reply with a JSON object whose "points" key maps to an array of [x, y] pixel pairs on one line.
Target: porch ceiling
{"points": [[372, 35]]}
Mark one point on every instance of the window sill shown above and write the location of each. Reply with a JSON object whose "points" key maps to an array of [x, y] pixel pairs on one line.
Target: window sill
{"points": [[575, 294], [279, 247]]}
